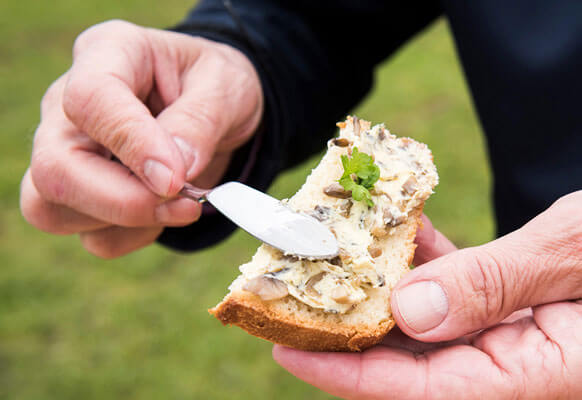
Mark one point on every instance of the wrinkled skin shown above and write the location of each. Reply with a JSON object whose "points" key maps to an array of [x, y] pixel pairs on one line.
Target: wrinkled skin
{"points": [[513, 327], [509, 326], [150, 98]]}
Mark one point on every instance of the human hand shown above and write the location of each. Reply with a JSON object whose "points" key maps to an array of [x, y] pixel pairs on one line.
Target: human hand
{"points": [[171, 107], [472, 305]]}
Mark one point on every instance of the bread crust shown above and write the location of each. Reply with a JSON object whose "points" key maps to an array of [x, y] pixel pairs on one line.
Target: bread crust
{"points": [[255, 316]]}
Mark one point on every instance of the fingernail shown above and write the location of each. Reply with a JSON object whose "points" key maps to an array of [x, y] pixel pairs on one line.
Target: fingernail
{"points": [[187, 153], [159, 176], [423, 305]]}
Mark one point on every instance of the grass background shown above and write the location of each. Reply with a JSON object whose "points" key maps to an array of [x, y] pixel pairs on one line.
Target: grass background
{"points": [[76, 327]]}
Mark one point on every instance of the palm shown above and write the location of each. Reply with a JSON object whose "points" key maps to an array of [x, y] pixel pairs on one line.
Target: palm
{"points": [[525, 356], [534, 353]]}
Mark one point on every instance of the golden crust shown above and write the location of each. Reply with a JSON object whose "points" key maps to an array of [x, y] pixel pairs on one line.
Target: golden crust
{"points": [[255, 316]]}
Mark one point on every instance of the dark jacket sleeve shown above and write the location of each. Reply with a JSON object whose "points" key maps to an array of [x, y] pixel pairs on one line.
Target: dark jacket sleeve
{"points": [[315, 60]]}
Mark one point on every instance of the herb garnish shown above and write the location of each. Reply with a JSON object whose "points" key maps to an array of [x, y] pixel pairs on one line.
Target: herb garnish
{"points": [[360, 174]]}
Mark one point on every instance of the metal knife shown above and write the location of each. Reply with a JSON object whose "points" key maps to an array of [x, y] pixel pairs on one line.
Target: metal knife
{"points": [[269, 220]]}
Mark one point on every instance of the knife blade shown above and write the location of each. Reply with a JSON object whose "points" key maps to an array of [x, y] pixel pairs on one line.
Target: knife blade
{"points": [[269, 220]]}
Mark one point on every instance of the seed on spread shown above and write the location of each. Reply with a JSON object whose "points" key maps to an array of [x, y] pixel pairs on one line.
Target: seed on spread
{"points": [[409, 187], [381, 134], [266, 288], [356, 126], [379, 232], [345, 256], [374, 251], [335, 261], [363, 231], [340, 294], [346, 208], [337, 190], [341, 142]]}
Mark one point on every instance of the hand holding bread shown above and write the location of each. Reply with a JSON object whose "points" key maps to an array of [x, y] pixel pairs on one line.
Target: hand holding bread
{"points": [[466, 329]]}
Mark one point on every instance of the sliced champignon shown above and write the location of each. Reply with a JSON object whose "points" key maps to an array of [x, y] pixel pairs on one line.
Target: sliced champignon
{"points": [[345, 208], [320, 213], [340, 294], [381, 134], [341, 142], [392, 220], [410, 185], [374, 250], [309, 289], [266, 288], [337, 190]]}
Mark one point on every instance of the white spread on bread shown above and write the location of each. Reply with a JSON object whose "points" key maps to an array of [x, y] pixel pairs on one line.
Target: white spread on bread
{"points": [[407, 176]]}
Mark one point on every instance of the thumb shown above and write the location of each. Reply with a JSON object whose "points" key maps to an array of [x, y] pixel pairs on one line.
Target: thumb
{"points": [[478, 287]]}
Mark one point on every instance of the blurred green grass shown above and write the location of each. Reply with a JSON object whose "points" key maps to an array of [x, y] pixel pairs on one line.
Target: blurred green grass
{"points": [[73, 326]]}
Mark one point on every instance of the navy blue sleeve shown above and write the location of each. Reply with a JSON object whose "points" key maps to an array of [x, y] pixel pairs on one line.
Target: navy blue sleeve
{"points": [[315, 60]]}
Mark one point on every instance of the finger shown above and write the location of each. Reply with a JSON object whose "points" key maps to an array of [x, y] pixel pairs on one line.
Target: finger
{"points": [[50, 217], [110, 78], [70, 169], [396, 339], [214, 115], [431, 243], [475, 288], [381, 372], [104, 190], [117, 241]]}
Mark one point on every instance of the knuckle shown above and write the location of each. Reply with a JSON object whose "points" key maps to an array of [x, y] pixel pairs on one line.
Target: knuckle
{"points": [[40, 216], [118, 134], [133, 212], [100, 31], [38, 212], [204, 116], [48, 176], [487, 283], [100, 245], [79, 97], [52, 95]]}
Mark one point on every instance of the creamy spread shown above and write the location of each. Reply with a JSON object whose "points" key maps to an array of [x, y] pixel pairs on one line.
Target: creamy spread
{"points": [[407, 176]]}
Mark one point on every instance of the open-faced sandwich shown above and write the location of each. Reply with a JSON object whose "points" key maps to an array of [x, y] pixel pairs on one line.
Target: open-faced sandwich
{"points": [[369, 189]]}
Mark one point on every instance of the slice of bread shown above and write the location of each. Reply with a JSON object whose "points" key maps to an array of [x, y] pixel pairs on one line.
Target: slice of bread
{"points": [[341, 304]]}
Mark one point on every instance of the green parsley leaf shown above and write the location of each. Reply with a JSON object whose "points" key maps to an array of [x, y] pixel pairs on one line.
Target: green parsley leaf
{"points": [[360, 174]]}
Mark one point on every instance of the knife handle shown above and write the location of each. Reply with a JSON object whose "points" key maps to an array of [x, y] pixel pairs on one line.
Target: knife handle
{"points": [[194, 193]]}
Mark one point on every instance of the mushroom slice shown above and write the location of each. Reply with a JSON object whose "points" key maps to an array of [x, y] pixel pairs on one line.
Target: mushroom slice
{"points": [[266, 288], [309, 289], [410, 186], [337, 190], [340, 294]]}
